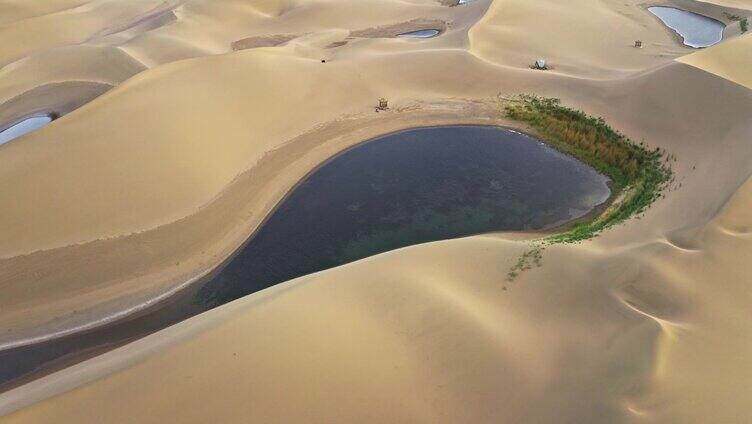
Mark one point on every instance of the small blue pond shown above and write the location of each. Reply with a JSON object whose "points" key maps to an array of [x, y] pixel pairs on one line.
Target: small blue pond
{"points": [[24, 127], [696, 30], [423, 33]]}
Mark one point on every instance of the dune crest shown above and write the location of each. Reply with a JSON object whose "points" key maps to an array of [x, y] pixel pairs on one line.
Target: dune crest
{"points": [[142, 189]]}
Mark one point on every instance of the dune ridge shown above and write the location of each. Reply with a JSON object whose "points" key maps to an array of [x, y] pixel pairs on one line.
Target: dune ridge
{"points": [[159, 179]]}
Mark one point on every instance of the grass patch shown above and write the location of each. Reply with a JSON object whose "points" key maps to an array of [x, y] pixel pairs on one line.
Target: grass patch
{"points": [[639, 174], [743, 22], [532, 257]]}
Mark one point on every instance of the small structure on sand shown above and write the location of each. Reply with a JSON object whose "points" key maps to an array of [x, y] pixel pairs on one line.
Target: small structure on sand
{"points": [[638, 44], [383, 105], [540, 64]]}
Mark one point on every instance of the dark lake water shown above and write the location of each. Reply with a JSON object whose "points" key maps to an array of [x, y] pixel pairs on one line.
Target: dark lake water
{"points": [[408, 188], [398, 190], [697, 30]]}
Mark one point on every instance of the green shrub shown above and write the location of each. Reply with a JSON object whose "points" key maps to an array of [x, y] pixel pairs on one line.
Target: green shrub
{"points": [[639, 175]]}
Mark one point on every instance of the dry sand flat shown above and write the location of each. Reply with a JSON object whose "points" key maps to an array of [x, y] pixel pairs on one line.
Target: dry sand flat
{"points": [[162, 177]]}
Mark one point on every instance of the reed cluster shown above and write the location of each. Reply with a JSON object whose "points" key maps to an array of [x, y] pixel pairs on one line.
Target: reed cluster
{"points": [[639, 174]]}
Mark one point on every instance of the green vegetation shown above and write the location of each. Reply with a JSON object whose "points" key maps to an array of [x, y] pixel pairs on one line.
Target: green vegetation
{"points": [[639, 175], [743, 22], [532, 257]]}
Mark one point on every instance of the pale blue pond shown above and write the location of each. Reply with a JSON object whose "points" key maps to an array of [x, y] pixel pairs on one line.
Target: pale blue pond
{"points": [[423, 33], [24, 127], [696, 30]]}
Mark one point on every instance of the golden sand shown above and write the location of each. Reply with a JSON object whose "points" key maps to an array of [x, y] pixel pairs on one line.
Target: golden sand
{"points": [[161, 178]]}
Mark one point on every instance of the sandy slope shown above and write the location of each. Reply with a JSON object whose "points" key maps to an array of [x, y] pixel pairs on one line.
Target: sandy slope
{"points": [[131, 185], [162, 177], [728, 60], [504, 37]]}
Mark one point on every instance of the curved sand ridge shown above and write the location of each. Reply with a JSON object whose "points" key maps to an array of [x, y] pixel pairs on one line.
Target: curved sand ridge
{"points": [[728, 60], [647, 322], [116, 207]]}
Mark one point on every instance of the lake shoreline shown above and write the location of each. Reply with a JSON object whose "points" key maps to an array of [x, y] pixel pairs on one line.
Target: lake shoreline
{"points": [[154, 306]]}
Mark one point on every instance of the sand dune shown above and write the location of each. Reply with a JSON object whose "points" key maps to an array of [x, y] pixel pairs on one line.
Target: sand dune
{"points": [[17, 10], [728, 60], [164, 176]]}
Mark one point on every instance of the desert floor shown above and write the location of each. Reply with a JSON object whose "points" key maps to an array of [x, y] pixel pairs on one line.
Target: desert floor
{"points": [[186, 121]]}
